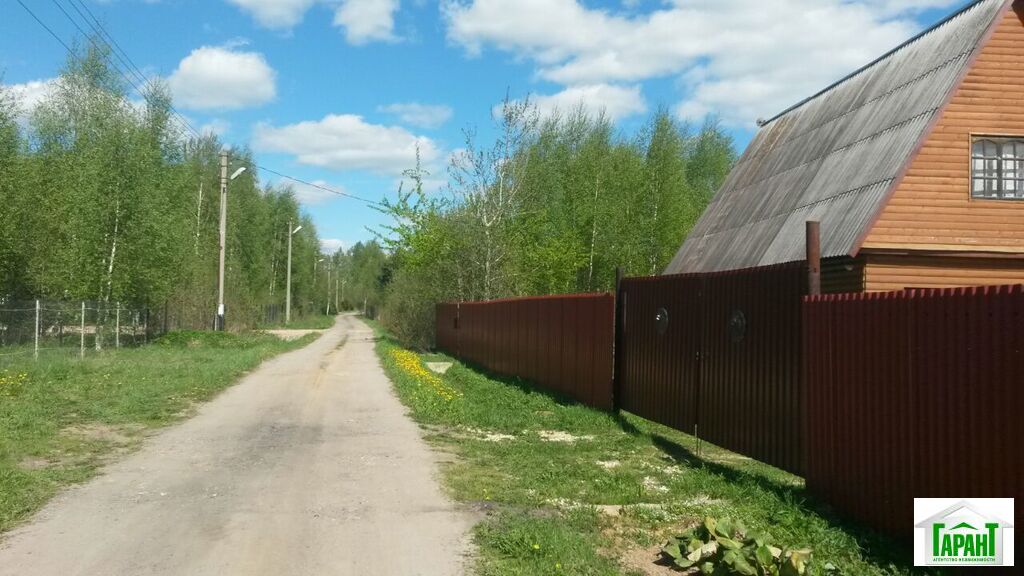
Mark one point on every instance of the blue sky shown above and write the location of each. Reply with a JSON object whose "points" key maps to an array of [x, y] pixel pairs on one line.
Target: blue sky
{"points": [[340, 92]]}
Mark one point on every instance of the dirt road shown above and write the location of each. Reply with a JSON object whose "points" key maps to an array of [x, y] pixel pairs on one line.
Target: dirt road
{"points": [[306, 467]]}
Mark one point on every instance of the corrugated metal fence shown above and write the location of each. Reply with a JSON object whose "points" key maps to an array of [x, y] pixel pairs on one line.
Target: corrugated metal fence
{"points": [[562, 343], [914, 393], [718, 355], [875, 398]]}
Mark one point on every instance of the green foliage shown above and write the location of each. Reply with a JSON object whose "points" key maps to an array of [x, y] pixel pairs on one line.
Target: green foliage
{"points": [[105, 200], [724, 548], [553, 206], [205, 339]]}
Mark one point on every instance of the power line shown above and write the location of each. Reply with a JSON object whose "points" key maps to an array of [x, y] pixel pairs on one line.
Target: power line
{"points": [[118, 51], [318, 186], [92, 39], [128, 64], [47, 28]]}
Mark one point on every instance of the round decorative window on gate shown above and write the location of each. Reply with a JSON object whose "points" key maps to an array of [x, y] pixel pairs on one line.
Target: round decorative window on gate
{"points": [[737, 326], [661, 321]]}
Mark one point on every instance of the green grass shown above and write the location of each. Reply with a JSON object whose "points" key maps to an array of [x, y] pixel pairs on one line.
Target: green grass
{"points": [[312, 322], [616, 492], [61, 418]]}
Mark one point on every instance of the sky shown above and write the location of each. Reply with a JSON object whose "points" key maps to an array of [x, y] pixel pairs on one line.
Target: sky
{"points": [[342, 92]]}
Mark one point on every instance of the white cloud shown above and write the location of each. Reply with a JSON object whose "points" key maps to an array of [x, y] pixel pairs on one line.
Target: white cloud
{"points": [[332, 245], [367, 20], [754, 57], [420, 115], [347, 142], [615, 101], [315, 194], [29, 94], [217, 127], [364, 21], [276, 14], [216, 78]]}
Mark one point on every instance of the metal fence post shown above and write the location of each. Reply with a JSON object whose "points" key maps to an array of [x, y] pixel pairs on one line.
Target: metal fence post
{"points": [[617, 337], [36, 355], [813, 257], [117, 327], [81, 345]]}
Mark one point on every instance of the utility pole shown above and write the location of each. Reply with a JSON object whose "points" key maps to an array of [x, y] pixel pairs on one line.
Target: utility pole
{"points": [[223, 237], [328, 290], [288, 279]]}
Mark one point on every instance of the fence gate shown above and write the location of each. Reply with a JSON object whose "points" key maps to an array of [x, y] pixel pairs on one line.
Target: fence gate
{"points": [[718, 355]]}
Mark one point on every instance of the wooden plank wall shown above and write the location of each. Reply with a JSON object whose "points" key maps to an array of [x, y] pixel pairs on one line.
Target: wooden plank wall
{"points": [[932, 209], [898, 272]]}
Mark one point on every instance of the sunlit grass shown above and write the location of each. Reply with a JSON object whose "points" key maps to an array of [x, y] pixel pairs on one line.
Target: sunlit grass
{"points": [[589, 486]]}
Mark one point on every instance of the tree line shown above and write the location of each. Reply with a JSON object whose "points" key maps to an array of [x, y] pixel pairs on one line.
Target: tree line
{"points": [[553, 205], [104, 199]]}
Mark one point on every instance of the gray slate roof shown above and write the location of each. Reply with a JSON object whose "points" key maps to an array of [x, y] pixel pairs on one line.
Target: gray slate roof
{"points": [[835, 156]]}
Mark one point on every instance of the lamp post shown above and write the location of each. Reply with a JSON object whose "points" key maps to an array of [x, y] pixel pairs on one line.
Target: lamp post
{"points": [[328, 290], [288, 282], [219, 322], [313, 295]]}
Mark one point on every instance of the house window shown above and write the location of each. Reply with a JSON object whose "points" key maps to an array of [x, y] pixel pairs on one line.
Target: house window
{"points": [[997, 168]]}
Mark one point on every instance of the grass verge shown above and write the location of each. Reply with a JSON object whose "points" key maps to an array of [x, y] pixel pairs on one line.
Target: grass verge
{"points": [[312, 322], [572, 490], [61, 418]]}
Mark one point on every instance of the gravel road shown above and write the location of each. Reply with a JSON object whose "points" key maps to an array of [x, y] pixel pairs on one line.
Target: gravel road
{"points": [[308, 466]]}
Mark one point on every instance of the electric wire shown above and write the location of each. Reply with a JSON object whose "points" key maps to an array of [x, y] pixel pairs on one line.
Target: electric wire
{"points": [[128, 64], [92, 38], [318, 186], [123, 56]]}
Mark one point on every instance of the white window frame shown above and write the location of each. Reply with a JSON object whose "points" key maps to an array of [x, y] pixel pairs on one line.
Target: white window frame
{"points": [[997, 169]]}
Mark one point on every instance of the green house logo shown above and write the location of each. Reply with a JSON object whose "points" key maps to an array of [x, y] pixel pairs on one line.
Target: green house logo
{"points": [[962, 535]]}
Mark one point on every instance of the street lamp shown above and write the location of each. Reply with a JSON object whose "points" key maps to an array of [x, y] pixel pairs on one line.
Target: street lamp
{"points": [[329, 287], [219, 321], [288, 287]]}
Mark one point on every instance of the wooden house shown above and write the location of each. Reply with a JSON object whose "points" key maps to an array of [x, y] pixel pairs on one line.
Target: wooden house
{"points": [[914, 165]]}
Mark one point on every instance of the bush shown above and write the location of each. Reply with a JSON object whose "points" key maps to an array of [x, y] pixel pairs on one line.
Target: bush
{"points": [[198, 339], [724, 548], [409, 311]]}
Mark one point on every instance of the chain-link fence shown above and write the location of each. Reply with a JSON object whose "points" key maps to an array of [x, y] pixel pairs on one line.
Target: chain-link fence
{"points": [[34, 327], [37, 327]]}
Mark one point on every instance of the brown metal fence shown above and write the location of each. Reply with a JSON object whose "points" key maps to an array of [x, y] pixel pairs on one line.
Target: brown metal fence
{"points": [[875, 398], [718, 355], [914, 394], [562, 343]]}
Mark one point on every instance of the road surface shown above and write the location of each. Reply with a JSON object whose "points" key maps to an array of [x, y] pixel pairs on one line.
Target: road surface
{"points": [[308, 466]]}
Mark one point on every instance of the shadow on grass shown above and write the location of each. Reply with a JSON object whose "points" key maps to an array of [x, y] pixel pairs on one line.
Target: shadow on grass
{"points": [[875, 547]]}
